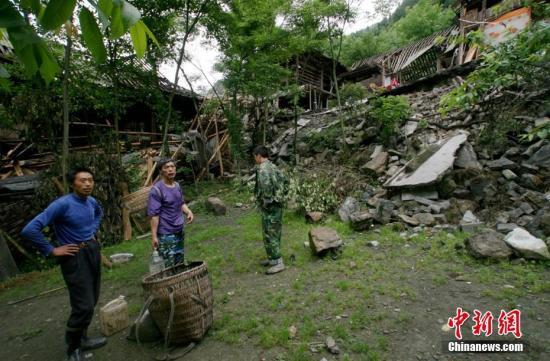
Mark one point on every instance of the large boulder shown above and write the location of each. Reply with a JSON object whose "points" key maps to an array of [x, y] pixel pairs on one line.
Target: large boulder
{"points": [[488, 244], [322, 239], [527, 245], [216, 206]]}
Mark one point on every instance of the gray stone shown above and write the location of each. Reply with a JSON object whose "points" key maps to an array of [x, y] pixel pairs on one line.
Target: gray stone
{"points": [[508, 174], [331, 346], [529, 167], [531, 181], [466, 157], [216, 206], [500, 164], [377, 150], [409, 128], [373, 244], [482, 188], [512, 152], [377, 164], [361, 221], [515, 213], [533, 148], [323, 238], [427, 194], [426, 219], [542, 157], [469, 217], [350, 206], [540, 225], [384, 211], [471, 227], [526, 207], [527, 245], [506, 228], [432, 165], [487, 244], [503, 217], [535, 198], [409, 220]]}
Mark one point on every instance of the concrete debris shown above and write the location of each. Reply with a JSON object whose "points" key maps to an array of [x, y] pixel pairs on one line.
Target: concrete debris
{"points": [[216, 206], [432, 169]]}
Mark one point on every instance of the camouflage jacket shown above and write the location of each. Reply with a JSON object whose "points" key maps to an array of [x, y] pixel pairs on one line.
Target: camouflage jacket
{"points": [[271, 184]]}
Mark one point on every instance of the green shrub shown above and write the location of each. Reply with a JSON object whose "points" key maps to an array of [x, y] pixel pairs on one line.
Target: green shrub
{"points": [[325, 139], [352, 92], [313, 193], [390, 112]]}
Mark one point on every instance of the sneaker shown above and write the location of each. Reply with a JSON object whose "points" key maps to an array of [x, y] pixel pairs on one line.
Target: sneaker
{"points": [[268, 262], [278, 267]]}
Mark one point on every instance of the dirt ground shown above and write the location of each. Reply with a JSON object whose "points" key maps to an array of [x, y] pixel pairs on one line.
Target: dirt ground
{"points": [[390, 305]]}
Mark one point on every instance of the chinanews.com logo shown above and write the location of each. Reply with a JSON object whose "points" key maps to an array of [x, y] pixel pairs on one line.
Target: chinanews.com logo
{"points": [[508, 323]]}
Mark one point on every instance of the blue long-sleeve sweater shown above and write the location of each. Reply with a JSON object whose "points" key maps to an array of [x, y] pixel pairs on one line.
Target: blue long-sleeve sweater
{"points": [[75, 220]]}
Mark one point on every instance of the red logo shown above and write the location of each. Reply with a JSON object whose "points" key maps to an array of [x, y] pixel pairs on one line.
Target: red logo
{"points": [[508, 322]]}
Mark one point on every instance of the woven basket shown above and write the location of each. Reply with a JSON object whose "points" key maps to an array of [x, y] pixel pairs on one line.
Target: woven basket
{"points": [[136, 201], [193, 301]]}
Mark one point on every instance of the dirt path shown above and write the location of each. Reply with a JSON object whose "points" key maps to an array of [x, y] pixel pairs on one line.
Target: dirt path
{"points": [[379, 303]]}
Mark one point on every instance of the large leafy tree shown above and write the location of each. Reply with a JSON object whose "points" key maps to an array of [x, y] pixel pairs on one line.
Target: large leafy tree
{"points": [[254, 51]]}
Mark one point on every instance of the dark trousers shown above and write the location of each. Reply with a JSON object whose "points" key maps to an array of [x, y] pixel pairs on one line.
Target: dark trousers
{"points": [[82, 274]]}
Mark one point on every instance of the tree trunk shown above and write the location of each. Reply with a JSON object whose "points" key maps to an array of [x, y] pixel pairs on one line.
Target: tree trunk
{"points": [[66, 74]]}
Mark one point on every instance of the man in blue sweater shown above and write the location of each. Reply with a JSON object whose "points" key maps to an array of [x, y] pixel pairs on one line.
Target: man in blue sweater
{"points": [[75, 219]]}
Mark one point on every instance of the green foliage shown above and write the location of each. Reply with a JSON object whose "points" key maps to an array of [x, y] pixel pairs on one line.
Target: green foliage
{"points": [[410, 23], [540, 132], [389, 112], [520, 63], [117, 18], [352, 92], [313, 193], [91, 35], [325, 139]]}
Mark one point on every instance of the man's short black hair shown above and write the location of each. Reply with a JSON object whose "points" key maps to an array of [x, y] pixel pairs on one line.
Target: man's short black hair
{"points": [[261, 151], [163, 161], [71, 174]]}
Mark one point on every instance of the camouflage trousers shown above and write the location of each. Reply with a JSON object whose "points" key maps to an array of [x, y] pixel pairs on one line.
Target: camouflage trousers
{"points": [[171, 248], [272, 222]]}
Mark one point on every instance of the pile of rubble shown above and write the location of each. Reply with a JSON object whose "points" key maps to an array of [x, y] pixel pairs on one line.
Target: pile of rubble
{"points": [[435, 175]]}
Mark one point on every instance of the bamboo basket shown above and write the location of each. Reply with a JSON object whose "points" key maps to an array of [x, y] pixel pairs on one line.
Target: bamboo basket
{"points": [[136, 201], [191, 290]]}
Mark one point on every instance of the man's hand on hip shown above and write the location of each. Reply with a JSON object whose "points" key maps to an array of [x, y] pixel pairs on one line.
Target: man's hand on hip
{"points": [[66, 250]]}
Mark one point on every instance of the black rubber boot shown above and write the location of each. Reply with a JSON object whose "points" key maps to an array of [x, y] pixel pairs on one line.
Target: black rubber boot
{"points": [[88, 343]]}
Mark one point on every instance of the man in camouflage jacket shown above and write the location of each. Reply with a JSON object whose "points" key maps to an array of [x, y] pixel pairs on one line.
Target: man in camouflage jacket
{"points": [[269, 192]]}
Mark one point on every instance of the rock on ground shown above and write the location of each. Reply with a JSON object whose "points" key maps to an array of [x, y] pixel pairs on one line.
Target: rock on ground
{"points": [[349, 207], [216, 206], [488, 244], [323, 238], [527, 245]]}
